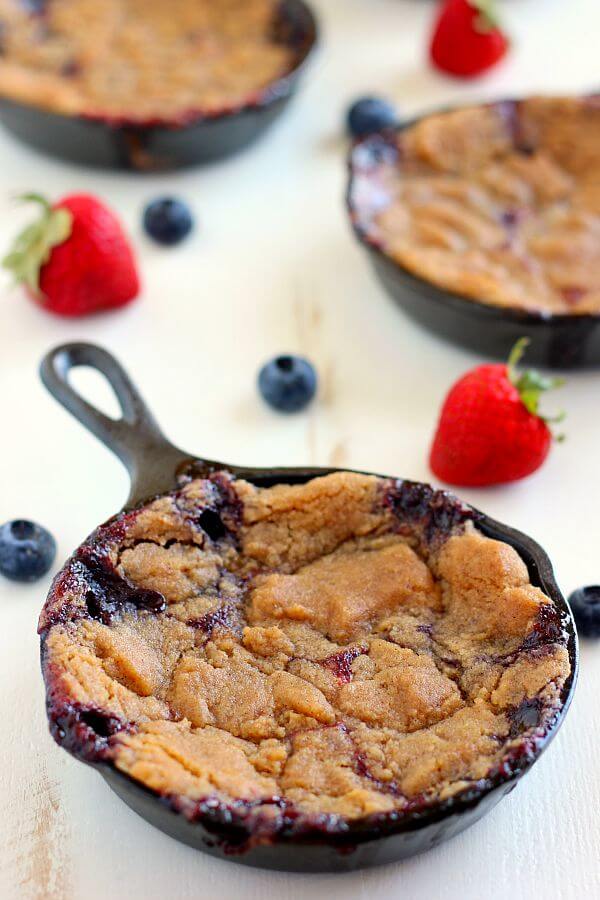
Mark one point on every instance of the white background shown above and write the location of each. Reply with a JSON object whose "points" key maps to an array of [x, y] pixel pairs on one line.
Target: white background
{"points": [[272, 267]]}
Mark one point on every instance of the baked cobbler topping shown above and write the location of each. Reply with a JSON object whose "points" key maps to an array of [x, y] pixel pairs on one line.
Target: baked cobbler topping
{"points": [[497, 203], [141, 59], [349, 647]]}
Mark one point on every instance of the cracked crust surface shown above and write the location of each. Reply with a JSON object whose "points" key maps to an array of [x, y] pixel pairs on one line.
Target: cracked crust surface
{"points": [[139, 59], [500, 203], [318, 647]]}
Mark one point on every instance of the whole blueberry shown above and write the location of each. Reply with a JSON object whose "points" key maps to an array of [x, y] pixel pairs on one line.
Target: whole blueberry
{"points": [[35, 7], [370, 114], [168, 221], [27, 550], [585, 604], [288, 383]]}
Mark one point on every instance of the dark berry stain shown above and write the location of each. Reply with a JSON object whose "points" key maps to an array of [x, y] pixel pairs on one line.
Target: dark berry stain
{"points": [[360, 766], [573, 295], [71, 69], [211, 522], [223, 617], [362, 770], [547, 629], [35, 7], [100, 723], [510, 111], [341, 663], [115, 530], [509, 218], [108, 594], [524, 717], [450, 662], [513, 217], [84, 731], [227, 501], [435, 514], [222, 516], [373, 152]]}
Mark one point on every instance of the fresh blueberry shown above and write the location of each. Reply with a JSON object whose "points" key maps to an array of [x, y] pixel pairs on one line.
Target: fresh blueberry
{"points": [[35, 7], [168, 221], [288, 383], [370, 114], [585, 604], [27, 550]]}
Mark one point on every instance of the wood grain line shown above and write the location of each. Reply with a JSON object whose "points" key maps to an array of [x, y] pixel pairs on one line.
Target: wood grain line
{"points": [[46, 865]]}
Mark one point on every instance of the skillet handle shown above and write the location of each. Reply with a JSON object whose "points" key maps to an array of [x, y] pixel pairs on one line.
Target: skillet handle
{"points": [[151, 460]]}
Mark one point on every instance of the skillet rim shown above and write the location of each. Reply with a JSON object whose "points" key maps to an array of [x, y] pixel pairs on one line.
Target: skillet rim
{"points": [[256, 109], [232, 825]]}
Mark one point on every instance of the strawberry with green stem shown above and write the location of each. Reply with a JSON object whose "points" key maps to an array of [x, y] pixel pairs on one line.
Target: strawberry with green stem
{"points": [[491, 430], [75, 259], [467, 38]]}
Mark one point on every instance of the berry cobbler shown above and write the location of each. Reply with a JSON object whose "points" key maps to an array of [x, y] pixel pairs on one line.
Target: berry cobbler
{"points": [[141, 60], [347, 648], [497, 203]]}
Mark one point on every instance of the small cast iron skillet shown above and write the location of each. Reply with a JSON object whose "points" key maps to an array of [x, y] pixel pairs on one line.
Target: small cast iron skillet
{"points": [[154, 465], [162, 144], [557, 341]]}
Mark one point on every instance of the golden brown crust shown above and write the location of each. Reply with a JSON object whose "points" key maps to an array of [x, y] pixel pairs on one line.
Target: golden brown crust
{"points": [[313, 655], [499, 203], [140, 59]]}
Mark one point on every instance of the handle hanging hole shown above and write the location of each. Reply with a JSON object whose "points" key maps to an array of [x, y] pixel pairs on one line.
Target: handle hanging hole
{"points": [[94, 388]]}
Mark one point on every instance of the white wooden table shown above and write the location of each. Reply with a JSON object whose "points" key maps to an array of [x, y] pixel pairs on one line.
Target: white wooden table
{"points": [[272, 267]]}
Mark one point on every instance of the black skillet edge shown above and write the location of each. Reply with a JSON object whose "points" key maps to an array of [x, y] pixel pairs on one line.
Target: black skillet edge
{"points": [[327, 843], [137, 440], [161, 145]]}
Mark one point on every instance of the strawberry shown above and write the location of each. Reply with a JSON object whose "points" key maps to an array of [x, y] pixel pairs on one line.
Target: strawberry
{"points": [[467, 38], [490, 429], [75, 260]]}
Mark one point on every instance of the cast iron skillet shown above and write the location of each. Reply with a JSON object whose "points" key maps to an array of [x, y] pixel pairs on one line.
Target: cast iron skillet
{"points": [[557, 341], [154, 464], [167, 144]]}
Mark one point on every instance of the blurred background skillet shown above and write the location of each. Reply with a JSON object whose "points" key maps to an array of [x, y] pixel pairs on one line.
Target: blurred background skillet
{"points": [[163, 144], [558, 340]]}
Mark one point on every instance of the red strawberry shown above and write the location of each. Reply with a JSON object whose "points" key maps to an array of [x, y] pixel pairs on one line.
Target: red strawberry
{"points": [[75, 260], [490, 430], [467, 38]]}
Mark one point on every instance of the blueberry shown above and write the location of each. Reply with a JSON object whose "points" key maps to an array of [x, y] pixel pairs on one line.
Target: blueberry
{"points": [[167, 221], [288, 383], [371, 114], [35, 7], [585, 604], [27, 550]]}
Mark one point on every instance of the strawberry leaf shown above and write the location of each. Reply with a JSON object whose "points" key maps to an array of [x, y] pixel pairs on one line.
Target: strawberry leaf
{"points": [[531, 384], [488, 19], [33, 246]]}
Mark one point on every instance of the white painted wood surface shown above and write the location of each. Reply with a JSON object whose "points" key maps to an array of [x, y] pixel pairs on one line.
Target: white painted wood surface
{"points": [[273, 267]]}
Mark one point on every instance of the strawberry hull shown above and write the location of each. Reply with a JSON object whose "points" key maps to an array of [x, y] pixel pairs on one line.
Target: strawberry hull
{"points": [[75, 259], [467, 40]]}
